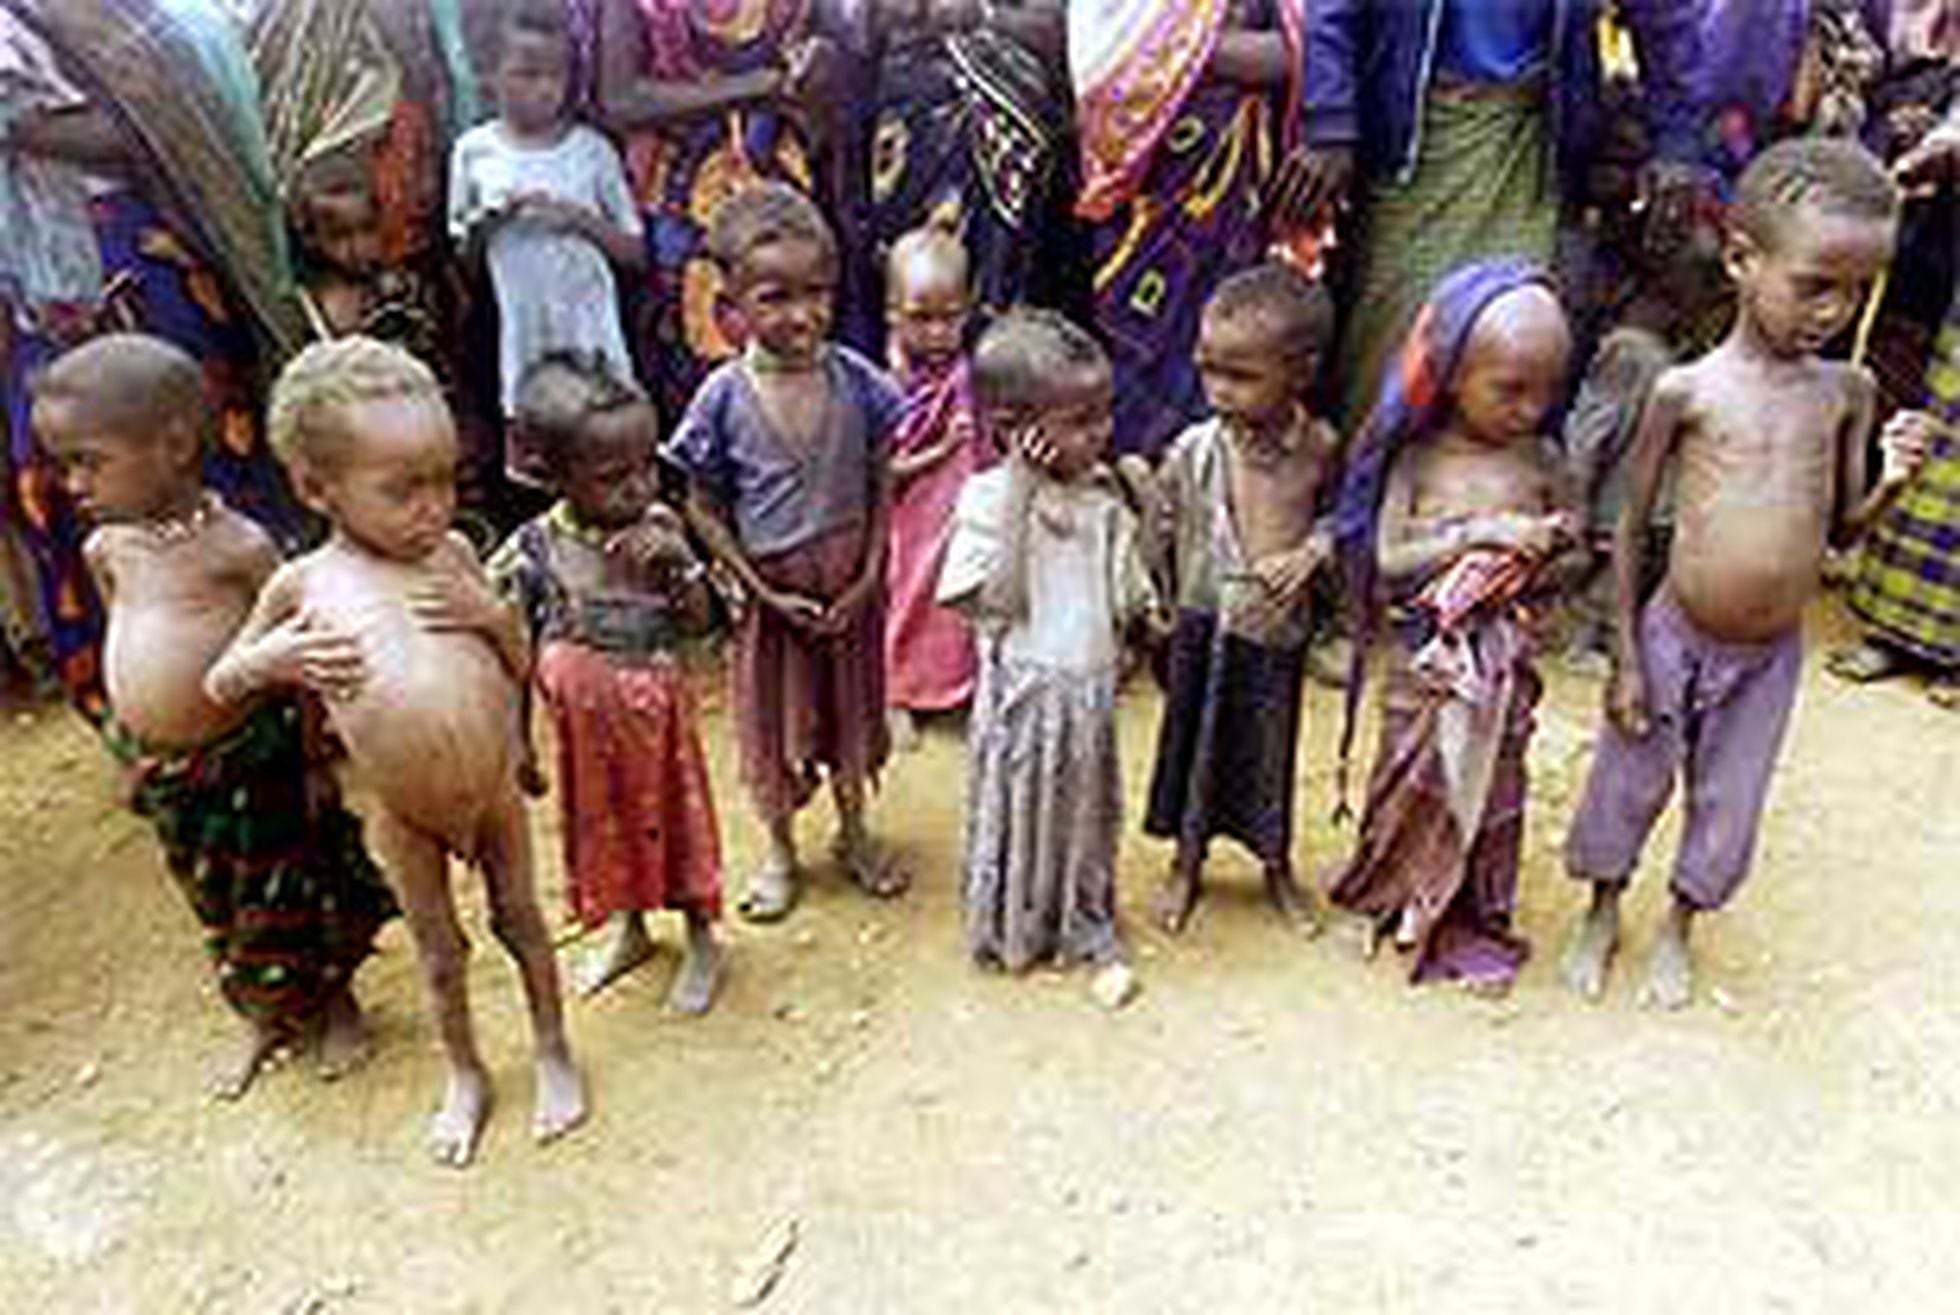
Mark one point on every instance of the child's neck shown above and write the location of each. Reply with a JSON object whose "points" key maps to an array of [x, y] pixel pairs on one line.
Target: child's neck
{"points": [[180, 516], [549, 134], [763, 361], [1749, 343]]}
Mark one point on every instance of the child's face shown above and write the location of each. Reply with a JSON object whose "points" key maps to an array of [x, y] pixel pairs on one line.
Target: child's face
{"points": [[1078, 424], [392, 486], [1249, 380], [1513, 369], [1802, 289], [111, 473], [343, 229], [929, 309], [785, 293], [609, 479], [531, 81]]}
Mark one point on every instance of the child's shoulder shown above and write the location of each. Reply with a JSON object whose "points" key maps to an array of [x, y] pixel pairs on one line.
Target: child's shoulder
{"points": [[859, 370], [484, 139]]}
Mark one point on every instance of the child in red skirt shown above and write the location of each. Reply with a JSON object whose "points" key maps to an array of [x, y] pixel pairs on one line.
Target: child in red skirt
{"points": [[609, 588]]}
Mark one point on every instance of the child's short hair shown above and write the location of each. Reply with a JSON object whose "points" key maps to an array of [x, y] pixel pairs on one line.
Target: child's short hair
{"points": [[303, 424], [1027, 359], [761, 214], [1296, 310], [542, 19], [133, 383], [559, 396], [929, 243], [1835, 175]]}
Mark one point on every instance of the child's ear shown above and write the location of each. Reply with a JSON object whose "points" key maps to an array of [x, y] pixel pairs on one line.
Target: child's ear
{"points": [[1740, 254], [183, 440], [308, 485]]}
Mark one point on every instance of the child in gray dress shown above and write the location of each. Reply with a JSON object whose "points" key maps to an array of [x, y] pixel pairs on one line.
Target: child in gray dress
{"points": [[1044, 558]]}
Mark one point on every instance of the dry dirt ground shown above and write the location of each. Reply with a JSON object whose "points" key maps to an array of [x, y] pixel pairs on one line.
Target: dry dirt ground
{"points": [[1273, 1126]]}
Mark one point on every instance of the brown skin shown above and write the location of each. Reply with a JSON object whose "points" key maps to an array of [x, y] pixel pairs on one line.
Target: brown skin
{"points": [[1769, 444], [393, 622], [1487, 480], [173, 608], [784, 293], [1279, 455], [929, 307], [611, 485], [631, 100]]}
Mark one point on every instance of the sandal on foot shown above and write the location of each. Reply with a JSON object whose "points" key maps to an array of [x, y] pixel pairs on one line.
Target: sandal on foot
{"points": [[873, 869], [1863, 664]]}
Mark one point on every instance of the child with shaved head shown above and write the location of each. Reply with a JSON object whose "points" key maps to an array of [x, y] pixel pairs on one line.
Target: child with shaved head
{"points": [[252, 832]]}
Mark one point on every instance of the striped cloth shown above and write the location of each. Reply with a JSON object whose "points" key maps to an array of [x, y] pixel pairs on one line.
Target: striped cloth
{"points": [[1908, 586], [1482, 188]]}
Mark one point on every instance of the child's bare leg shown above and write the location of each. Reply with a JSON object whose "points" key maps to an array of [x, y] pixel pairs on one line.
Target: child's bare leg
{"points": [[627, 947], [693, 991], [1589, 958], [235, 1075], [1670, 980], [519, 926], [772, 889], [1295, 904], [1177, 898], [343, 1037], [904, 729], [873, 867], [419, 865]]}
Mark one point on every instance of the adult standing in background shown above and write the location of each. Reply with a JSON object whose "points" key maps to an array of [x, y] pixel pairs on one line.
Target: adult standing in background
{"points": [[1465, 123]]}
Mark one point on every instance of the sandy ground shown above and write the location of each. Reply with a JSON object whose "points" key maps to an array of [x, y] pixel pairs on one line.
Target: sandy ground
{"points": [[1273, 1126]]}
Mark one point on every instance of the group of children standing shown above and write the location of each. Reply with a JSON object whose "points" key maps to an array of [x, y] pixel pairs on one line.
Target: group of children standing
{"points": [[954, 535]]}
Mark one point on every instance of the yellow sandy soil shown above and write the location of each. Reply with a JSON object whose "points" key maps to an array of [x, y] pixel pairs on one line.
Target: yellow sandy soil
{"points": [[1273, 1126]]}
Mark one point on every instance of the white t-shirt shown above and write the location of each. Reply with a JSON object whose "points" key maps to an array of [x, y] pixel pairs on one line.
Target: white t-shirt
{"points": [[555, 290]]}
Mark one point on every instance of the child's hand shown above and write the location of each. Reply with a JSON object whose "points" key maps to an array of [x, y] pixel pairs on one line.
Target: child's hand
{"points": [[803, 612], [1905, 442], [1284, 576], [453, 603], [303, 651], [550, 211], [1626, 700], [656, 545]]}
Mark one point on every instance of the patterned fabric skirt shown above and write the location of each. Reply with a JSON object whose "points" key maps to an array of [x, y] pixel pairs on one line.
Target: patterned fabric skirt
{"points": [[1908, 587], [268, 859], [1416, 868], [640, 831], [1226, 755], [1044, 813], [1483, 187]]}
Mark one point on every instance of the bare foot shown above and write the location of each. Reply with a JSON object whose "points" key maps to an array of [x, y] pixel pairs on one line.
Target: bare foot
{"points": [[1295, 905], [693, 991], [876, 870], [454, 1130], [561, 1098], [1589, 959], [343, 1038], [235, 1076], [1670, 980], [904, 730], [628, 948], [772, 893], [1177, 899]]}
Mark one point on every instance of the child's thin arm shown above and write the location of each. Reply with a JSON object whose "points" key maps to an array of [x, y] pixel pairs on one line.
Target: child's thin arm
{"points": [[1905, 442], [1409, 547], [280, 645], [620, 247], [1005, 592], [1653, 447], [710, 525]]}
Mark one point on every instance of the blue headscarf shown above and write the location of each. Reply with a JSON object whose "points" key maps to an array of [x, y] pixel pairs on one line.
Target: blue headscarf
{"points": [[1412, 406]]}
